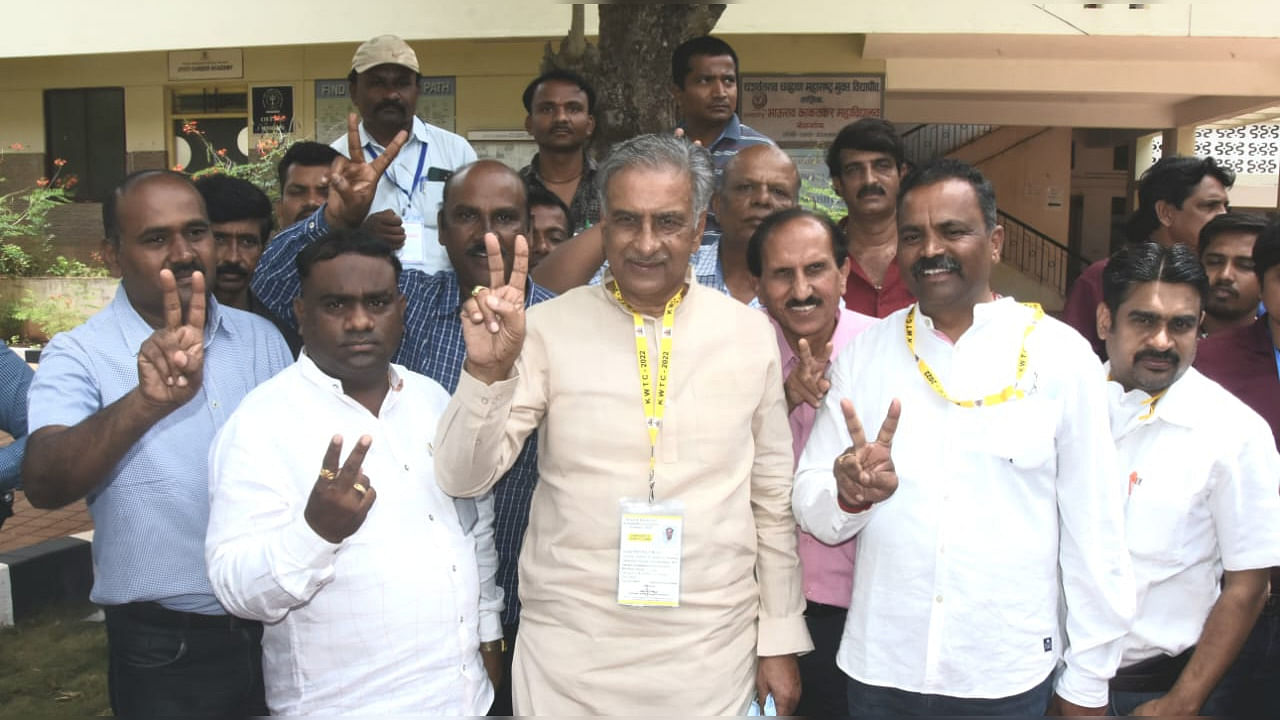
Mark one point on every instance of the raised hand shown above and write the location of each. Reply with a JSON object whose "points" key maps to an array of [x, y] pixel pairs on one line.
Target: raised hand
{"points": [[807, 381], [353, 182], [864, 472], [493, 317], [340, 499], [171, 361]]}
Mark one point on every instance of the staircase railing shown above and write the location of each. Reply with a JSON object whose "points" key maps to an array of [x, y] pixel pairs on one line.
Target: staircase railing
{"points": [[924, 143], [1038, 255]]}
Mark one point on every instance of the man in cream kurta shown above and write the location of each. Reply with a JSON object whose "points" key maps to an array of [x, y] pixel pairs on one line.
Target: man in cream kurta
{"points": [[723, 450]]}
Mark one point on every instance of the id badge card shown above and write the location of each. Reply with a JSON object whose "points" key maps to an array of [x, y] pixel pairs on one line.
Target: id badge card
{"points": [[414, 253], [650, 538]]}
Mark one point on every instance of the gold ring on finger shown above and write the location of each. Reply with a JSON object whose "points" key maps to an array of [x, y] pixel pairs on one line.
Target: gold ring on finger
{"points": [[476, 290], [358, 487], [328, 474]]}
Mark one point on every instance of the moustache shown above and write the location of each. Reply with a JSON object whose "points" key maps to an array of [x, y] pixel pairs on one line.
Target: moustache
{"points": [[872, 189], [1168, 356], [811, 301], [228, 269], [938, 262], [389, 104], [183, 270], [1229, 287]]}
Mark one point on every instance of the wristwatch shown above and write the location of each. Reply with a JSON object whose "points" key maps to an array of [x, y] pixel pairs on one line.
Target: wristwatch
{"points": [[499, 645]]}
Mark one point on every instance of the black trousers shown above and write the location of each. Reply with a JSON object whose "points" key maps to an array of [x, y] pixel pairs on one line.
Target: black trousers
{"points": [[165, 663], [823, 687]]}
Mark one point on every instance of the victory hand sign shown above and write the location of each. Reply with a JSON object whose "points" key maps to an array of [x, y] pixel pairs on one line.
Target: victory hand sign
{"points": [[493, 317], [864, 472], [171, 361], [353, 182]]}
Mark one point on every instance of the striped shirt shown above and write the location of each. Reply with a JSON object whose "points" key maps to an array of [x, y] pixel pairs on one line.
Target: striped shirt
{"points": [[15, 376], [432, 346], [151, 512]]}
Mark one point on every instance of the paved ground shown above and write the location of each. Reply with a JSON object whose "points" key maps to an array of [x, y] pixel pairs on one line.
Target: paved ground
{"points": [[29, 526]]}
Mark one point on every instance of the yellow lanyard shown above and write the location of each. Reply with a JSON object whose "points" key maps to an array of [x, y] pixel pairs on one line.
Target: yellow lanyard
{"points": [[653, 399], [1010, 393]]}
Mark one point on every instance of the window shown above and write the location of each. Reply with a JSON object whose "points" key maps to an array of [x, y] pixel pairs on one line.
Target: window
{"points": [[85, 127], [220, 114]]}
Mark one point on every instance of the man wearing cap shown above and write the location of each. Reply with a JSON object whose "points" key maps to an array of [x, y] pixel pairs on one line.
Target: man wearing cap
{"points": [[384, 88]]}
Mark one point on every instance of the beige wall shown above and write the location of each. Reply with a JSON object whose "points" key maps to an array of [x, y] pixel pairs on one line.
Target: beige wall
{"points": [[1023, 164]]}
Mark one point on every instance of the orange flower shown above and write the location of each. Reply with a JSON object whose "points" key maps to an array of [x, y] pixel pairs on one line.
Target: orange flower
{"points": [[189, 127], [42, 182], [71, 182], [15, 146], [222, 152], [59, 162], [177, 168]]}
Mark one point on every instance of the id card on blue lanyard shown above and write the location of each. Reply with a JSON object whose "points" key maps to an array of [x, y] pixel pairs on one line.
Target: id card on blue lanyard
{"points": [[413, 252]]}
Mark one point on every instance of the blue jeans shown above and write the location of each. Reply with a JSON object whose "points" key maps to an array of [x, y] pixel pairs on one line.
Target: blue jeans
{"points": [[162, 665], [1255, 676], [874, 701], [1124, 702]]}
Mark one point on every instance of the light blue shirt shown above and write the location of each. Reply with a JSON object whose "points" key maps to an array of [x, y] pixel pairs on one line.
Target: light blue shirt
{"points": [[151, 512]]}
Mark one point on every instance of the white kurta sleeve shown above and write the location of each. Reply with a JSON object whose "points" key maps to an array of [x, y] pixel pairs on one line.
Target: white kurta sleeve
{"points": [[263, 557], [1097, 577], [814, 495], [491, 596]]}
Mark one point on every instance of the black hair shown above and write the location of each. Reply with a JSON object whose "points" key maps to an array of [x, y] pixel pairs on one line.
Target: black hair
{"points": [[1266, 252], [306, 153], [1171, 179], [1137, 263], [1231, 222], [344, 241], [682, 57], [229, 199], [542, 197], [111, 208], [951, 169], [755, 246], [559, 74], [868, 135]]}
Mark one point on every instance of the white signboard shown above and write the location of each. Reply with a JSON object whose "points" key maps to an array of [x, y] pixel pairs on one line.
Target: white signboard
{"points": [[808, 109], [206, 64]]}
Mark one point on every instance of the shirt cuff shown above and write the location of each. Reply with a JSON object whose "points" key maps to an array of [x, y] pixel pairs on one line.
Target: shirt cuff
{"points": [[1079, 689], [479, 399], [490, 626], [783, 636], [306, 560]]}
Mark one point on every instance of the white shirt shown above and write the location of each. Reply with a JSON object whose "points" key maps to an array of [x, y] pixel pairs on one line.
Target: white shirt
{"points": [[388, 620], [435, 148], [1204, 496], [956, 583]]}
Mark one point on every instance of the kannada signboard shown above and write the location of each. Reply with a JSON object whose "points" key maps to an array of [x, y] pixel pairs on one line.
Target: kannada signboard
{"points": [[437, 99], [809, 109], [206, 64]]}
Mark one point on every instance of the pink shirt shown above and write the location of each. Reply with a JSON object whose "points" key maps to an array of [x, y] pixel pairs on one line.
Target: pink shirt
{"points": [[827, 569]]}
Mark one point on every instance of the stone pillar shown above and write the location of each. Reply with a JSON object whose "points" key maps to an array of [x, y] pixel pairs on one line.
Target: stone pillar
{"points": [[1179, 141]]}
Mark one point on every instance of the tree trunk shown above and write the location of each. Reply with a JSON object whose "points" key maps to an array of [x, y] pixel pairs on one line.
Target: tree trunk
{"points": [[631, 68]]}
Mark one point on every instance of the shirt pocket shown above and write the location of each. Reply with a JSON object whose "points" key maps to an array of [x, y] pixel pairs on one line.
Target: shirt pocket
{"points": [[1019, 434], [433, 198]]}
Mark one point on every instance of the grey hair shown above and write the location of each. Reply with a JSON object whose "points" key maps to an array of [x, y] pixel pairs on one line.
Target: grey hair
{"points": [[657, 152]]}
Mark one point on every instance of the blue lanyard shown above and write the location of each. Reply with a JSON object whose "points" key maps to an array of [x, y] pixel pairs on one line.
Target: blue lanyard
{"points": [[417, 175]]}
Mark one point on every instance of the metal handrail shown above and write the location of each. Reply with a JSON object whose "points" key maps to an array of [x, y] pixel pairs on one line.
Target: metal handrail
{"points": [[924, 143], [1038, 255]]}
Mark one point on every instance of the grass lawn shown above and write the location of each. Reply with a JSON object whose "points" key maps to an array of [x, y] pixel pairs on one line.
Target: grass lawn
{"points": [[54, 665]]}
